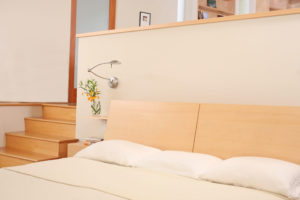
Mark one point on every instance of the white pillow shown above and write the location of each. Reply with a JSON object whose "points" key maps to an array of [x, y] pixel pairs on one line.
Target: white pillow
{"points": [[180, 163], [119, 152], [260, 173]]}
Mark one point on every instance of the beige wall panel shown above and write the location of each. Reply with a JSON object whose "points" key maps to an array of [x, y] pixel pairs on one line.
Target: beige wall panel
{"points": [[254, 61], [12, 118], [34, 50]]}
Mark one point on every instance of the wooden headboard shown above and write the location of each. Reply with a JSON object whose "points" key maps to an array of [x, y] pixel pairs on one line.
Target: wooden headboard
{"points": [[221, 130], [158, 124], [243, 130]]}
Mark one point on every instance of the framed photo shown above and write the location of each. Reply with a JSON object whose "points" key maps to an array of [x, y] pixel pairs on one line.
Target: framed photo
{"points": [[145, 19]]}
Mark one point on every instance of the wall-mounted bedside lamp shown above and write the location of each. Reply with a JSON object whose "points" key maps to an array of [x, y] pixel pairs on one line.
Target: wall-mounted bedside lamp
{"points": [[112, 81]]}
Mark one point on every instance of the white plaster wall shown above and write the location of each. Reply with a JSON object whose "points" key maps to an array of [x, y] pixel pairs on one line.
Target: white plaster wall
{"points": [[190, 10], [127, 12], [12, 118], [252, 61], [34, 50]]}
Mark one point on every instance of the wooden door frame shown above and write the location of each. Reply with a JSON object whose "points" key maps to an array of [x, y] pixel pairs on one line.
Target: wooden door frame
{"points": [[72, 93]]}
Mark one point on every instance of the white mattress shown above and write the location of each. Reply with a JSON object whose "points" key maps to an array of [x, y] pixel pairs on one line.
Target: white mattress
{"points": [[76, 178]]}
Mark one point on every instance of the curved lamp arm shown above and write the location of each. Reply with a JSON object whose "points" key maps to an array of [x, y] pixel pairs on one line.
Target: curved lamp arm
{"points": [[112, 81]]}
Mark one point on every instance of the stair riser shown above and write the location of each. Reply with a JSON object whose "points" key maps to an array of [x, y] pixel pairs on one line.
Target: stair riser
{"points": [[36, 146], [50, 128], [7, 161], [59, 113]]}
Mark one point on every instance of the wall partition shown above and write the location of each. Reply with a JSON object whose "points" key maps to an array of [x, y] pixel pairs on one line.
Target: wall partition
{"points": [[250, 61], [34, 50]]}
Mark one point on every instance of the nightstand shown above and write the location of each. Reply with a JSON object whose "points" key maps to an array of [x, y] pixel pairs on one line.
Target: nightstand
{"points": [[73, 148]]}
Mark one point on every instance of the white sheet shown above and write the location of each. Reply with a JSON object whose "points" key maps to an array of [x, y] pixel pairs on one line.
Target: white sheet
{"points": [[76, 178]]}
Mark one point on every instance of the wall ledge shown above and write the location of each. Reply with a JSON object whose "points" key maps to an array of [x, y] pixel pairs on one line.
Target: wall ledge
{"points": [[28, 103], [195, 22]]}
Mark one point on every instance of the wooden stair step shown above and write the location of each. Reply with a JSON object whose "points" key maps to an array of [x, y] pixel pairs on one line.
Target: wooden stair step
{"points": [[12, 157], [59, 111], [49, 145], [48, 138], [33, 157], [50, 127], [72, 122]]}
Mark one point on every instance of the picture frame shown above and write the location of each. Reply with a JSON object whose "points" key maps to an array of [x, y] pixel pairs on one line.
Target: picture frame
{"points": [[145, 19]]}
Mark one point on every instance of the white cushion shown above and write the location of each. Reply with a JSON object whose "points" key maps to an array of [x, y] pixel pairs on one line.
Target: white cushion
{"points": [[180, 163], [119, 152], [261, 173]]}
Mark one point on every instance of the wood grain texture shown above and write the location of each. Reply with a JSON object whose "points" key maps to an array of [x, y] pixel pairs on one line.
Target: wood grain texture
{"points": [[29, 156], [196, 22], [263, 6], [64, 129], [7, 161], [112, 14], [28, 144], [72, 91], [73, 148], [59, 112], [242, 130], [163, 125], [48, 138]]}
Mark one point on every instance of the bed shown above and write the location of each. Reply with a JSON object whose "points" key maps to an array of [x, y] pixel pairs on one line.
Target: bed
{"points": [[224, 131]]}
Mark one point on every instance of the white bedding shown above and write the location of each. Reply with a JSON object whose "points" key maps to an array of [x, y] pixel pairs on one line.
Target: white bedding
{"points": [[77, 178]]}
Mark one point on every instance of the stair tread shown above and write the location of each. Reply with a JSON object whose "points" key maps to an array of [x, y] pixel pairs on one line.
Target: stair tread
{"points": [[35, 157], [73, 122], [61, 105], [43, 137]]}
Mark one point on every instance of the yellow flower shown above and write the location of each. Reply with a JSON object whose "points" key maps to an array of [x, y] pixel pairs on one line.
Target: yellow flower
{"points": [[91, 99], [91, 93], [98, 97]]}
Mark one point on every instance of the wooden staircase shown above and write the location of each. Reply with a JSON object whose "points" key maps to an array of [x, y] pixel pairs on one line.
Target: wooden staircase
{"points": [[44, 138]]}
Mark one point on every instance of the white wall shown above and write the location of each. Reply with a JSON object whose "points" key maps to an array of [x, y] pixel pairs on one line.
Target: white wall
{"points": [[34, 50], [191, 10], [187, 10], [127, 12], [12, 118], [206, 63], [91, 16]]}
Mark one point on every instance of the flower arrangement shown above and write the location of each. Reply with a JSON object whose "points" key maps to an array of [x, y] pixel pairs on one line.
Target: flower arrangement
{"points": [[92, 93]]}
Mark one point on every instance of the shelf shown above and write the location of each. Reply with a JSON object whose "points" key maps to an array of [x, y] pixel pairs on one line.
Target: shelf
{"points": [[207, 8], [99, 117]]}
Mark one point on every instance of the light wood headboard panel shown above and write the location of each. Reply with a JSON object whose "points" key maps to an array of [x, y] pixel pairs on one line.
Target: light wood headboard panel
{"points": [[158, 124], [242, 130]]}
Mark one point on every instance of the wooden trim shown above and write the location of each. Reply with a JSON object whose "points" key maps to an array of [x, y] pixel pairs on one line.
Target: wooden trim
{"points": [[69, 122], [42, 138], [68, 106], [27, 103], [195, 22], [112, 14], [72, 91]]}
